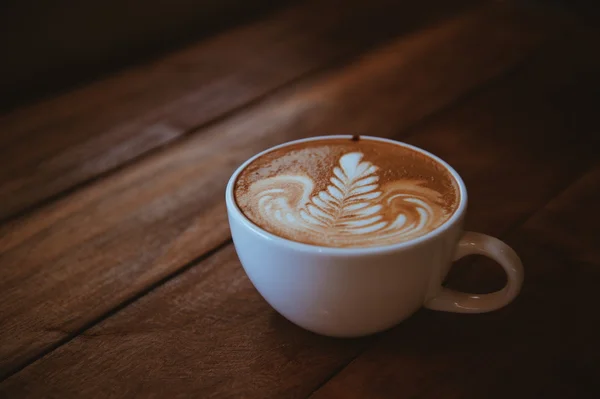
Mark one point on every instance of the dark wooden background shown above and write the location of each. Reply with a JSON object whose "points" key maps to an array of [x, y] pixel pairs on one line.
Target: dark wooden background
{"points": [[53, 46], [117, 273]]}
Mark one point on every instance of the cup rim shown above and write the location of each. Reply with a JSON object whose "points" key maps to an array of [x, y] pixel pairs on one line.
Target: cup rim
{"points": [[235, 211]]}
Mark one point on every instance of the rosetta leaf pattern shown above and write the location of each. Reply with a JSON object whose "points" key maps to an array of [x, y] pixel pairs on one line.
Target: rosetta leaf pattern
{"points": [[347, 201]]}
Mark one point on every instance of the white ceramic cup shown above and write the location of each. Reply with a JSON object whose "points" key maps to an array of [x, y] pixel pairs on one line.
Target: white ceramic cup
{"points": [[350, 292]]}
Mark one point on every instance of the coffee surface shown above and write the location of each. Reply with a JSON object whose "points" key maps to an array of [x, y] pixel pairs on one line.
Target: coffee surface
{"points": [[346, 193]]}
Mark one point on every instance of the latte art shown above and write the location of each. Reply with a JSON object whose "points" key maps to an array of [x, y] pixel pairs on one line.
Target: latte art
{"points": [[354, 207]]}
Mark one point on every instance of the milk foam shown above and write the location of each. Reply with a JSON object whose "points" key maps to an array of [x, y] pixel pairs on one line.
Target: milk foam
{"points": [[356, 208]]}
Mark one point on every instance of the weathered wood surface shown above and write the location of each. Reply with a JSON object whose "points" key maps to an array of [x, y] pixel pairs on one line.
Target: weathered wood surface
{"points": [[130, 286]]}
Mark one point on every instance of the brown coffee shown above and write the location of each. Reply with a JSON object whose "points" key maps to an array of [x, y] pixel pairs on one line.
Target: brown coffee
{"points": [[346, 193]]}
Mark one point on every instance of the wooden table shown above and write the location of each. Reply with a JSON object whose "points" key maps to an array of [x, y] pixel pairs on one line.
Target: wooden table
{"points": [[118, 277]]}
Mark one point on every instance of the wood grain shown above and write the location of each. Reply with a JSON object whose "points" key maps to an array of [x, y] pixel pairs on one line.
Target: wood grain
{"points": [[53, 146], [74, 260], [207, 333]]}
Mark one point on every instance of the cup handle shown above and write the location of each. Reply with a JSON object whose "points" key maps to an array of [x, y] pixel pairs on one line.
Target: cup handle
{"points": [[481, 244]]}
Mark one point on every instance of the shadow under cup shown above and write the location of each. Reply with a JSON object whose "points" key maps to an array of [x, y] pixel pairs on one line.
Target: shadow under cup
{"points": [[356, 291]]}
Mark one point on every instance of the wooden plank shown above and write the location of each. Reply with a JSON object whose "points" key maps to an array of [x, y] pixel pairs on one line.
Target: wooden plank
{"points": [[60, 143], [210, 331], [543, 346]]}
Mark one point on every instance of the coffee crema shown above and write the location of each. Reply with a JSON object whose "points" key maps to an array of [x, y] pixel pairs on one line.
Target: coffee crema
{"points": [[346, 193]]}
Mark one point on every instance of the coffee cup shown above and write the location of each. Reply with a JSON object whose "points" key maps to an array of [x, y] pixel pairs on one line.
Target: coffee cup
{"points": [[380, 255]]}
